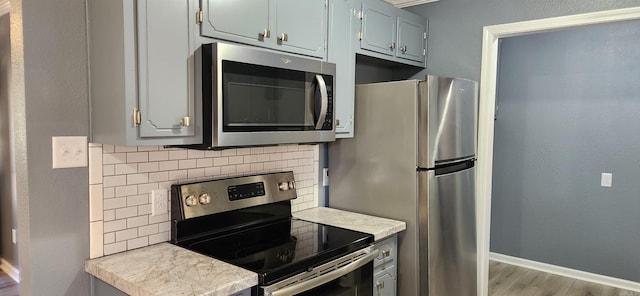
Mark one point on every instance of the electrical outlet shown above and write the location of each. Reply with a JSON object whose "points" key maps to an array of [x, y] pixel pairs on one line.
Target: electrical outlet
{"points": [[69, 152], [606, 179], [159, 202]]}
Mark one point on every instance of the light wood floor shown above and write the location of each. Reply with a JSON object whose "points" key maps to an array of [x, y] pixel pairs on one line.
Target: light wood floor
{"points": [[511, 280], [8, 287]]}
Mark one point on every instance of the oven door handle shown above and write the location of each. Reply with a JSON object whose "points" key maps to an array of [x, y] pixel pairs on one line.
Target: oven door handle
{"points": [[324, 103], [327, 277]]}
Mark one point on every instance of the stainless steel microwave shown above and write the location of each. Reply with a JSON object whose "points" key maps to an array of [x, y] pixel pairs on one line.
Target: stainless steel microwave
{"points": [[253, 97]]}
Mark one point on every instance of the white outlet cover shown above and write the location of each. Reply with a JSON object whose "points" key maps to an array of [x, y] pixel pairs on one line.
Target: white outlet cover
{"points": [[69, 152], [159, 202]]}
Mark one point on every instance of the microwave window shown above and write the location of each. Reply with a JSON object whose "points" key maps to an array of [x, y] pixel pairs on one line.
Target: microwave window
{"points": [[259, 98]]}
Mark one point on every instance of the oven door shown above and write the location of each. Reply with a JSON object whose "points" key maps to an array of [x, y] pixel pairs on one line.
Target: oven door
{"points": [[349, 275]]}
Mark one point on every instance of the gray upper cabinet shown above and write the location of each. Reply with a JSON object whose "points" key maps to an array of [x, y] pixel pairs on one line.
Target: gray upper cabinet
{"points": [[391, 33], [245, 21], [378, 27], [286, 25], [141, 73]]}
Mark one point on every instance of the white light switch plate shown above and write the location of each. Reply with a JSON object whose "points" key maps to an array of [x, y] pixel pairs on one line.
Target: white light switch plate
{"points": [[606, 179], [69, 152]]}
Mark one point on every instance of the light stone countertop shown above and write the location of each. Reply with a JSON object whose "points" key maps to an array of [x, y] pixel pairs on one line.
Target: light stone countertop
{"points": [[166, 269], [379, 227]]}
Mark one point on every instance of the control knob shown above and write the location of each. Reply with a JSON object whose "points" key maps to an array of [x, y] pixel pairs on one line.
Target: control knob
{"points": [[204, 199], [191, 201], [283, 186]]}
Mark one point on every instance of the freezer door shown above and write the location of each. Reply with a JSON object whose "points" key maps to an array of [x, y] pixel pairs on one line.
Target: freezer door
{"points": [[448, 109], [447, 232]]}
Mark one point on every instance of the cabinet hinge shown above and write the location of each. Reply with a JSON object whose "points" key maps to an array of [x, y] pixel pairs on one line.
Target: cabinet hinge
{"points": [[360, 15], [424, 36], [424, 52], [359, 35], [137, 118], [325, 44], [326, 3], [199, 17]]}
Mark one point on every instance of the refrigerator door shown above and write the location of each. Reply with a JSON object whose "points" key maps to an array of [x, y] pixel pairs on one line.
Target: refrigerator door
{"points": [[448, 109], [447, 231]]}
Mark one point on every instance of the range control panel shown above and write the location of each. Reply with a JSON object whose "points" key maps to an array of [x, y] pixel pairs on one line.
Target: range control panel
{"points": [[222, 195]]}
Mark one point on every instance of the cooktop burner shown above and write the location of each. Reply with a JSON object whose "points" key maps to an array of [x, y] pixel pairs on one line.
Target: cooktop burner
{"points": [[281, 248], [256, 231]]}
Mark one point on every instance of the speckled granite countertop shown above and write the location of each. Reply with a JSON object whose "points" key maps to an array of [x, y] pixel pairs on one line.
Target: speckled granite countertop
{"points": [[379, 227], [166, 269]]}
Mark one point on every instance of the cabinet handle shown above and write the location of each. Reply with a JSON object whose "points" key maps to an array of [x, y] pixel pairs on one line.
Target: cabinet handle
{"points": [[392, 46], [264, 34], [380, 285], [386, 253], [283, 37], [403, 49], [185, 121]]}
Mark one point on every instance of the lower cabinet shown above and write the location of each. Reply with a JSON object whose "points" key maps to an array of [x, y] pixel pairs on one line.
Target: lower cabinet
{"points": [[384, 267]]}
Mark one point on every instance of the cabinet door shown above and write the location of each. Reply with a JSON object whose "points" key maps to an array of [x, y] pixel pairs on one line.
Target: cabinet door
{"points": [[384, 285], [301, 26], [165, 69], [378, 27], [411, 39], [242, 21]]}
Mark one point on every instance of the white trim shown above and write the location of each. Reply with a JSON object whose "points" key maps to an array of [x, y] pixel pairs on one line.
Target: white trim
{"points": [[568, 272], [10, 270], [407, 3], [488, 72]]}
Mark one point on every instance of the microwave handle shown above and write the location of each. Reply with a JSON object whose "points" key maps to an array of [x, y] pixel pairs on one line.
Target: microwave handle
{"points": [[327, 277], [324, 104]]}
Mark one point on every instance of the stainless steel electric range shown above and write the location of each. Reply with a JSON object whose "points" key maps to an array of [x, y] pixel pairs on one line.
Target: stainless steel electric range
{"points": [[246, 221]]}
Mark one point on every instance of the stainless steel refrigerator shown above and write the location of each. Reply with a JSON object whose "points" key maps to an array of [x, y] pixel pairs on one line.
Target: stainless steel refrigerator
{"points": [[412, 158]]}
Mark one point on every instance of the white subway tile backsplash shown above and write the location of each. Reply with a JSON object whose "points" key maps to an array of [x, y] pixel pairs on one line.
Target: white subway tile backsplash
{"points": [[129, 212], [122, 193], [148, 230], [115, 248], [159, 237], [138, 221], [158, 155], [178, 154], [136, 200], [126, 168], [109, 238], [126, 190], [115, 225], [126, 234], [195, 154], [112, 181], [108, 170], [114, 203], [146, 167], [137, 243], [126, 149]]}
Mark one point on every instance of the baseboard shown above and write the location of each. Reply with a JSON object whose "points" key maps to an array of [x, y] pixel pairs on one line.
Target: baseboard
{"points": [[10, 270], [568, 272]]}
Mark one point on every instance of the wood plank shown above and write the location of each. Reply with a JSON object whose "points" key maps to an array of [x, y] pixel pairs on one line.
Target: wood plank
{"points": [[504, 279]]}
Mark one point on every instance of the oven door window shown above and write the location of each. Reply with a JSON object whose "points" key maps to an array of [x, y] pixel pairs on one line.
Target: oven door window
{"points": [[259, 98]]}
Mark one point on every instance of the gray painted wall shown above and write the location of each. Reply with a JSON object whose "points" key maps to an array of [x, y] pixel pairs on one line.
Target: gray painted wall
{"points": [[7, 206], [568, 111], [455, 27], [49, 96]]}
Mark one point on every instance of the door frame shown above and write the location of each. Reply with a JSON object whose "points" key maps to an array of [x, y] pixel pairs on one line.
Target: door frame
{"points": [[488, 78]]}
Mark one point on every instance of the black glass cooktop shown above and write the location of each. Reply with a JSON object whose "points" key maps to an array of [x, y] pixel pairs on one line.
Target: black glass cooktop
{"points": [[282, 248]]}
